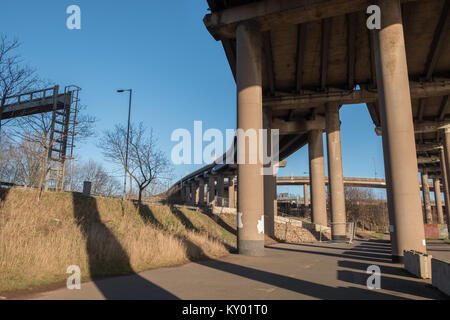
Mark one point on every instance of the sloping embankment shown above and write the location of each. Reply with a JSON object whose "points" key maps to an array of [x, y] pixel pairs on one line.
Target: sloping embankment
{"points": [[39, 241]]}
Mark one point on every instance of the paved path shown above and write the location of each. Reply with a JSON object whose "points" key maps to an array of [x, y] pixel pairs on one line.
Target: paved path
{"points": [[287, 271]]}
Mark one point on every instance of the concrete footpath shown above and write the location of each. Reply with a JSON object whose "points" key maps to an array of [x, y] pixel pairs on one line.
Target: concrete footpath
{"points": [[287, 271]]}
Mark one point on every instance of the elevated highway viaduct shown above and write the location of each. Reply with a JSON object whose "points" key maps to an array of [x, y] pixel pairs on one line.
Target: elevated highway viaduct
{"points": [[295, 63]]}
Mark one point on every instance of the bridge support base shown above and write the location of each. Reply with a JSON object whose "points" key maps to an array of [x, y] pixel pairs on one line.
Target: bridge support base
{"points": [[335, 174], [249, 116], [426, 198], [317, 174], [438, 199], [407, 229], [444, 175]]}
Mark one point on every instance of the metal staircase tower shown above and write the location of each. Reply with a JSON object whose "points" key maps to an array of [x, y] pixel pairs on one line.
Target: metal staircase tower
{"points": [[62, 138]]}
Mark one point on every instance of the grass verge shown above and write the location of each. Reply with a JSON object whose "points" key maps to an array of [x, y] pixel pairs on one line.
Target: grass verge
{"points": [[104, 237]]}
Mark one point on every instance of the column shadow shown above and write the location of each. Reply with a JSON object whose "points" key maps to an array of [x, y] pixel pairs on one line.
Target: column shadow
{"points": [[405, 286], [3, 195], [107, 257], [305, 287]]}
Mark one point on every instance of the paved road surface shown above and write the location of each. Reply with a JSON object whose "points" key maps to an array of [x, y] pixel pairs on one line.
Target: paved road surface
{"points": [[288, 271]]}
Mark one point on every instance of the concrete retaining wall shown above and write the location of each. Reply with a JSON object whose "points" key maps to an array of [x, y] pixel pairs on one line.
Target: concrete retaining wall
{"points": [[220, 210], [418, 264], [441, 275]]}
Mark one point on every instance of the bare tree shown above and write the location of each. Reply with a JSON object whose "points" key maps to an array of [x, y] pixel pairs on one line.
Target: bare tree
{"points": [[146, 163], [365, 209], [37, 129], [15, 76]]}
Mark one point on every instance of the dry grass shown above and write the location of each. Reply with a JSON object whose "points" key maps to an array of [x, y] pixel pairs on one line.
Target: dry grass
{"points": [[102, 236]]}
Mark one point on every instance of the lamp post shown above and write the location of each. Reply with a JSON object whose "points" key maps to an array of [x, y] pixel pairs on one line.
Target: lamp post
{"points": [[124, 196]]}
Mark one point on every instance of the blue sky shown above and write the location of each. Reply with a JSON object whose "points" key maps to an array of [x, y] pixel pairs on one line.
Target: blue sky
{"points": [[178, 72]]}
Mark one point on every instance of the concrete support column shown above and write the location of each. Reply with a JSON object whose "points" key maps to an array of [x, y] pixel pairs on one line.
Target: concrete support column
{"points": [[183, 193], [305, 195], [201, 192], [398, 132], [231, 200], [188, 193], [438, 200], [426, 198], [220, 191], [317, 174], [270, 181], [211, 190], [270, 203], [335, 174], [249, 116], [236, 195], [446, 186], [194, 191]]}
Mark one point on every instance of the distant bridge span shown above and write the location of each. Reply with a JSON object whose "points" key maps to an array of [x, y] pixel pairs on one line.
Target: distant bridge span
{"points": [[348, 182]]}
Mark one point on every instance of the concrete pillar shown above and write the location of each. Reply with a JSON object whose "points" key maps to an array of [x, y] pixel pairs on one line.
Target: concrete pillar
{"points": [[194, 192], [220, 191], [426, 198], [335, 174], [235, 194], [201, 192], [270, 202], [231, 200], [305, 195], [188, 193], [317, 174], [249, 116], [398, 131], [270, 182], [438, 200], [183, 192], [446, 186], [211, 190]]}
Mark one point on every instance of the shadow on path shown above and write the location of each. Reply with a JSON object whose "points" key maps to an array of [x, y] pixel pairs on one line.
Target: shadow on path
{"points": [[308, 288], [188, 224], [107, 257]]}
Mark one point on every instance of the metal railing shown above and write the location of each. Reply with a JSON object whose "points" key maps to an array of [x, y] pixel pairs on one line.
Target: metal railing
{"points": [[32, 96]]}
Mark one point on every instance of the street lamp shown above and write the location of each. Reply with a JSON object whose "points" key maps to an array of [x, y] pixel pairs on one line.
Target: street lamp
{"points": [[128, 137]]}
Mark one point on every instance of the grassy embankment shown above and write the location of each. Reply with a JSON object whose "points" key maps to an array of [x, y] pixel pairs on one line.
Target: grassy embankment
{"points": [[39, 241]]}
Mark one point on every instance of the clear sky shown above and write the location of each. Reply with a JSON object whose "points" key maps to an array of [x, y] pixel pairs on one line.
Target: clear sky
{"points": [[178, 72]]}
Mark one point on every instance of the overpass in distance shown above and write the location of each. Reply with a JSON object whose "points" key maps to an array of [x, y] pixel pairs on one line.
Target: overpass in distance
{"points": [[348, 182], [295, 63]]}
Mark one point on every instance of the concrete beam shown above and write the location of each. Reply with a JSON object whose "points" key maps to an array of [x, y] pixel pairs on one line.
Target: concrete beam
{"points": [[298, 127], [428, 147], [270, 13], [364, 95], [431, 159]]}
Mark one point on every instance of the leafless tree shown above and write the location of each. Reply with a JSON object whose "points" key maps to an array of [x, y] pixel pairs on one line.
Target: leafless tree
{"points": [[15, 76], [37, 129], [146, 162], [365, 209]]}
